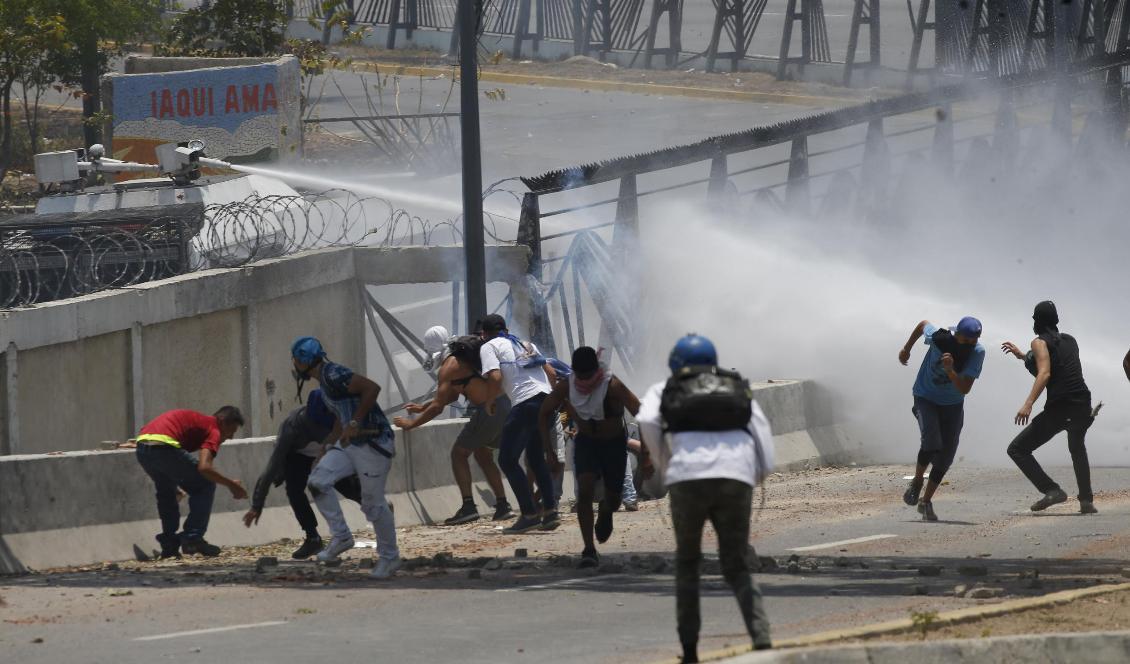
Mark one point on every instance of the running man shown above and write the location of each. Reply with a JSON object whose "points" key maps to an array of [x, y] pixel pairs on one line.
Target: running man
{"points": [[365, 448], [302, 436], [946, 375], [457, 364], [595, 400], [517, 368], [1054, 361]]}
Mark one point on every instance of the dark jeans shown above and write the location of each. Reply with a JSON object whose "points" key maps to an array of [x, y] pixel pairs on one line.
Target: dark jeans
{"points": [[727, 504], [1072, 417], [520, 434], [298, 468], [940, 427], [170, 467]]}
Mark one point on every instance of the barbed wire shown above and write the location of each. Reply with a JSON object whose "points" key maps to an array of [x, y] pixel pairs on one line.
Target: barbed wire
{"points": [[40, 263]]}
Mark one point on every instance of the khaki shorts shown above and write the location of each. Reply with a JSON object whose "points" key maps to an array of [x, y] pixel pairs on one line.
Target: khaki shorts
{"points": [[483, 430]]}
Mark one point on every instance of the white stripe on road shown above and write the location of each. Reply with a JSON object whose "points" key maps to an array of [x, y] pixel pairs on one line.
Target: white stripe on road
{"points": [[829, 545], [212, 630], [558, 584]]}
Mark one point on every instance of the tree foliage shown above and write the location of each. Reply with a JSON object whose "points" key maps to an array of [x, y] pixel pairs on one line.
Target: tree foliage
{"points": [[251, 28]]}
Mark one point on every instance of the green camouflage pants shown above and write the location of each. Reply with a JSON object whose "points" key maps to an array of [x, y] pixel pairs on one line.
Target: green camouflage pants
{"points": [[727, 504]]}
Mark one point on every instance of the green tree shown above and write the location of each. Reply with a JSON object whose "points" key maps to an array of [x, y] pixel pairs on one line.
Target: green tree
{"points": [[29, 32], [97, 31], [251, 28]]}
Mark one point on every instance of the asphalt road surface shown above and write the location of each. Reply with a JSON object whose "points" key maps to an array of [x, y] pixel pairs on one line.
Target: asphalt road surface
{"points": [[859, 551]]}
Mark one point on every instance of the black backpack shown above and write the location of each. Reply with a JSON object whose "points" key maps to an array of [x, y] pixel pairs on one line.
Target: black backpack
{"points": [[706, 398], [466, 350]]}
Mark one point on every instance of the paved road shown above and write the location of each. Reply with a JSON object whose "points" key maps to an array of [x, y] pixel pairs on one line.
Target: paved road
{"points": [[538, 611]]}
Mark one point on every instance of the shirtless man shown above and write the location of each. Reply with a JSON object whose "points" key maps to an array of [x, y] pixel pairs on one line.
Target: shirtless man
{"points": [[596, 401], [458, 375]]}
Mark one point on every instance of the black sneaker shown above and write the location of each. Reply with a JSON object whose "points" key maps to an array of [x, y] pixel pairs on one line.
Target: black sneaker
{"points": [[1053, 497], [466, 514], [311, 546], [912, 492], [1087, 507], [522, 525], [551, 520], [589, 558], [198, 545], [502, 511], [926, 509], [166, 554], [603, 528]]}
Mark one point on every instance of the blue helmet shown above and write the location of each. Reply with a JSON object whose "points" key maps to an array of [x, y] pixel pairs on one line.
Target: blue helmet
{"points": [[307, 350], [692, 350]]}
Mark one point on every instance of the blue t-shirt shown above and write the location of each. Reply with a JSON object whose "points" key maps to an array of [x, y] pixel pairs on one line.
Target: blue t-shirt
{"points": [[933, 384], [335, 392]]}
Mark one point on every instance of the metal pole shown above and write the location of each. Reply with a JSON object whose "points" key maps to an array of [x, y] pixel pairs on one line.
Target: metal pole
{"points": [[474, 253]]}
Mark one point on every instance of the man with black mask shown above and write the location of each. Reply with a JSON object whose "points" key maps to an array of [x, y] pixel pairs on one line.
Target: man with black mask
{"points": [[947, 373], [1054, 361]]}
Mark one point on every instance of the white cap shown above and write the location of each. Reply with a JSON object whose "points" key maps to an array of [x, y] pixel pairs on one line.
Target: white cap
{"points": [[435, 338]]}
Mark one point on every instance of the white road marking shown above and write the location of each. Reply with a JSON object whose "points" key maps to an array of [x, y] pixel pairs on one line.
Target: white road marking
{"points": [[558, 584], [829, 545], [212, 630]]}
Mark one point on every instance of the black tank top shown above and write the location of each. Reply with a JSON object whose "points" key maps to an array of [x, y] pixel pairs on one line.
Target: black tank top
{"points": [[1066, 383]]}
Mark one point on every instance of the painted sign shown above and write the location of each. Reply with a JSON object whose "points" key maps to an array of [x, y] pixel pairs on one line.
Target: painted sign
{"points": [[243, 114]]}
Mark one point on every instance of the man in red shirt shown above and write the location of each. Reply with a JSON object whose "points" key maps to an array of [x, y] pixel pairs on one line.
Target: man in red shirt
{"points": [[164, 450]]}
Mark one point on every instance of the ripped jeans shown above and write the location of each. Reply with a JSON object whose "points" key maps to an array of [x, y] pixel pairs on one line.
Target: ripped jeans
{"points": [[372, 470]]}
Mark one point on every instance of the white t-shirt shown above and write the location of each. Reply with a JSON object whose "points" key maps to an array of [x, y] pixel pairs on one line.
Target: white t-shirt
{"points": [[700, 455], [520, 384]]}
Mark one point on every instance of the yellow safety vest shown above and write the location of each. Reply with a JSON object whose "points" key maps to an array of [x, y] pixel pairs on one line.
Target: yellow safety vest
{"points": [[160, 438]]}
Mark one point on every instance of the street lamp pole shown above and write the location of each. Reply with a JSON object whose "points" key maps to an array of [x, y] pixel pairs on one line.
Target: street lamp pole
{"points": [[474, 253]]}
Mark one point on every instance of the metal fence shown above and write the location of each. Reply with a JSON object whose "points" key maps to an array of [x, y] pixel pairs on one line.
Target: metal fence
{"points": [[855, 163], [986, 38]]}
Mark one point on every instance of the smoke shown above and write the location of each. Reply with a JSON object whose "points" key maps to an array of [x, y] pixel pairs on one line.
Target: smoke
{"points": [[833, 298]]}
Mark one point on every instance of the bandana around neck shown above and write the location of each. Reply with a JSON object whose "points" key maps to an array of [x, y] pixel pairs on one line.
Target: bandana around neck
{"points": [[588, 385]]}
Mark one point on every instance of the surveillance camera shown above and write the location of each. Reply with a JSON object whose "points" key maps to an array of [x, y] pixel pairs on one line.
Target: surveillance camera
{"points": [[96, 151]]}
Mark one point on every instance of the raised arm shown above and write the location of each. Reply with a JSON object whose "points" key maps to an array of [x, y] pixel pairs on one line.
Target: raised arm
{"points": [[915, 335]]}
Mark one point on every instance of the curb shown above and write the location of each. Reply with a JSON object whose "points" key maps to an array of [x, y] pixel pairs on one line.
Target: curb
{"points": [[946, 618], [618, 86]]}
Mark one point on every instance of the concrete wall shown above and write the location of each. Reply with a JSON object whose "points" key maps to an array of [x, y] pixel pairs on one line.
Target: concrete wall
{"points": [[319, 313], [104, 500], [98, 367], [68, 372]]}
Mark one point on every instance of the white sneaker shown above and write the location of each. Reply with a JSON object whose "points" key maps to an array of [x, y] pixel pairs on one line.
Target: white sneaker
{"points": [[335, 548], [385, 568]]}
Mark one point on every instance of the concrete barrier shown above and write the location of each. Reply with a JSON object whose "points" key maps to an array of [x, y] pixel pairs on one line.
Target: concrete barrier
{"points": [[73, 508]]}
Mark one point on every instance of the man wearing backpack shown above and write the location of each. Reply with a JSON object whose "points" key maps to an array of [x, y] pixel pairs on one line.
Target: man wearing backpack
{"points": [[713, 445], [947, 373], [517, 368], [458, 365]]}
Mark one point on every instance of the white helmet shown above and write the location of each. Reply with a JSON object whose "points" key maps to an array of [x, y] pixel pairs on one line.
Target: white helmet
{"points": [[435, 338]]}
